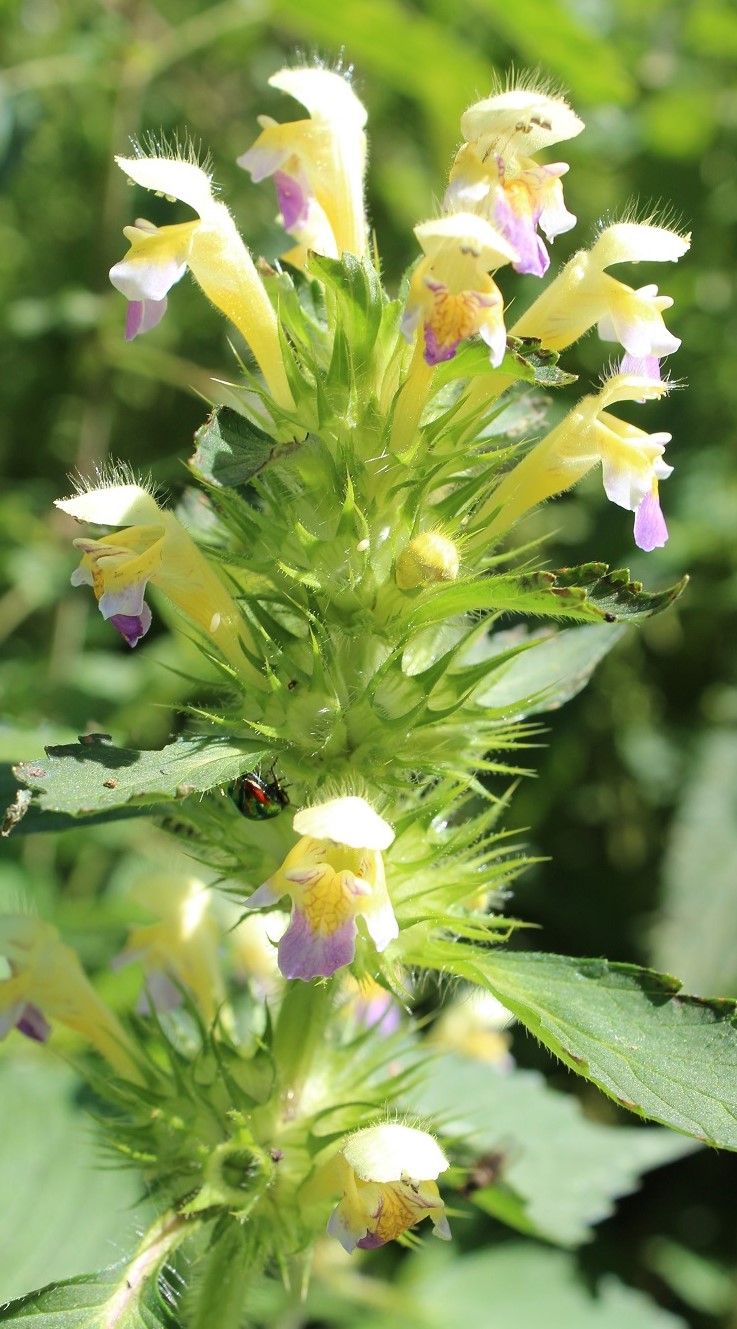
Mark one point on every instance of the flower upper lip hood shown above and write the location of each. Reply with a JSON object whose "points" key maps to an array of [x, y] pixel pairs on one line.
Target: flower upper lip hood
{"points": [[350, 821], [391, 1151], [519, 120]]}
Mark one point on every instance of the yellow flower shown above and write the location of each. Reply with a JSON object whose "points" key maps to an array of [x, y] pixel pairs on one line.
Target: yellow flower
{"points": [[389, 1177], [213, 251], [318, 164], [154, 547], [475, 1026], [584, 294], [251, 943], [333, 874], [181, 946], [631, 461], [451, 294], [46, 984]]}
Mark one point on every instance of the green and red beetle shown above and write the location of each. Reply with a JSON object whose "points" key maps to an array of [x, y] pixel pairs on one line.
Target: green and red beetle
{"points": [[259, 799]]}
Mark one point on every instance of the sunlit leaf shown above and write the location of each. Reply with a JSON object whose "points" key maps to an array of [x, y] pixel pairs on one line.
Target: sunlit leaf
{"points": [[93, 775], [657, 1051]]}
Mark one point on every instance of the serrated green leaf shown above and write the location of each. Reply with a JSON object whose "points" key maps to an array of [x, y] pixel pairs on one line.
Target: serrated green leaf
{"points": [[514, 1116], [659, 1052], [535, 364], [523, 361], [231, 450], [589, 593], [87, 777]]}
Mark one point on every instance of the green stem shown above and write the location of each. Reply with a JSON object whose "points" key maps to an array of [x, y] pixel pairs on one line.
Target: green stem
{"points": [[299, 1030], [161, 1239], [411, 401], [224, 1275]]}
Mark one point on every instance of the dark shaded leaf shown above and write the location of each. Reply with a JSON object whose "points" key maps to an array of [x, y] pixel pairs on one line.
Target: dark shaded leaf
{"points": [[231, 450]]}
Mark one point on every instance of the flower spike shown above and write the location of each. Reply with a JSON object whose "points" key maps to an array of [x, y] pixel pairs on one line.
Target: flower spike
{"points": [[333, 874]]}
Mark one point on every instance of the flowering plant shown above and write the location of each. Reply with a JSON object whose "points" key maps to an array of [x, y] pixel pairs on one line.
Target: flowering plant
{"points": [[348, 574]]}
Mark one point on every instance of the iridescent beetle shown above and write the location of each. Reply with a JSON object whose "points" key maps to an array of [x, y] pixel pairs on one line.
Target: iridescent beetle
{"points": [[257, 798]]}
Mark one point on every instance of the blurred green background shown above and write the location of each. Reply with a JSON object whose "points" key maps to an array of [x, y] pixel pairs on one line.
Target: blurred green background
{"points": [[636, 795]]}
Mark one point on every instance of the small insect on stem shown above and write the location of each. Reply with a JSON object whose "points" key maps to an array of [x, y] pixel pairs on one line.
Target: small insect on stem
{"points": [[259, 799]]}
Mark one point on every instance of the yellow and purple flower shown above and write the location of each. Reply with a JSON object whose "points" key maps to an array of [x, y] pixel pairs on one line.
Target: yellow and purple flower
{"points": [[389, 1179], [46, 984], [452, 296], [213, 251], [475, 1025], [495, 176], [631, 461], [334, 874], [368, 1005], [155, 548], [584, 294], [318, 164]]}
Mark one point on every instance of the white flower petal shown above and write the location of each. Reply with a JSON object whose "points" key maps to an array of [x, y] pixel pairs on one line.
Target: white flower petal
{"points": [[350, 821], [113, 505], [327, 96], [630, 242], [166, 175], [388, 1152]]}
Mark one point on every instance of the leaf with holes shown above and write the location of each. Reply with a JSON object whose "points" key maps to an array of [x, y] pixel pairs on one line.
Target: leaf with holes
{"points": [[93, 775]]}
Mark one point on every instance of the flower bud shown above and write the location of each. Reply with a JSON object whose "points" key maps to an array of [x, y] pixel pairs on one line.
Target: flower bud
{"points": [[429, 557]]}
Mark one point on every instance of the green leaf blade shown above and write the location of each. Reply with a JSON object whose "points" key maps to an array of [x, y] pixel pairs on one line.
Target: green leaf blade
{"points": [[586, 594], [231, 450], [85, 778], [658, 1052]]}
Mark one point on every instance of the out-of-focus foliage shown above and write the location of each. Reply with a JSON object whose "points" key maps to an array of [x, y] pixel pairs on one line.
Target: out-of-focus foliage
{"points": [[635, 794]]}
